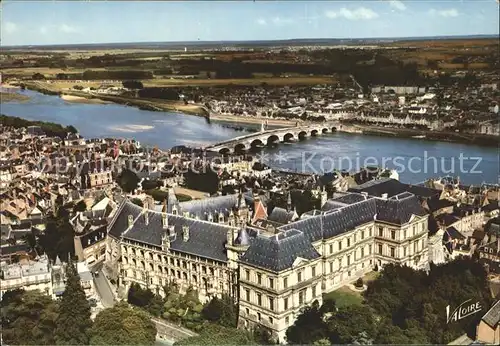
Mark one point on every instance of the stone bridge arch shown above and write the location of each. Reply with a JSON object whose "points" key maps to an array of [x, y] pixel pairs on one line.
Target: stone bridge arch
{"points": [[240, 147], [288, 136], [302, 134], [272, 139], [314, 132], [256, 143], [224, 151]]}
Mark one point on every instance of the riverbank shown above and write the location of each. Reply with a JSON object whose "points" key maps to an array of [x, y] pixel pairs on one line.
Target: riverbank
{"points": [[235, 119], [143, 104], [427, 135], [12, 97], [79, 99]]}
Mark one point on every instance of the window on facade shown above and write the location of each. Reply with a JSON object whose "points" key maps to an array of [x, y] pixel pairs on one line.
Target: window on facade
{"points": [[349, 273], [393, 234], [302, 297], [380, 232], [349, 260], [271, 320], [313, 271], [393, 252], [331, 248], [247, 295], [414, 229], [259, 279], [404, 234], [271, 303], [362, 252], [285, 303], [348, 242], [414, 247], [404, 251], [271, 282], [258, 316], [247, 275], [204, 269], [354, 238], [331, 267], [371, 228], [369, 249], [314, 291], [285, 282], [287, 320], [259, 299], [299, 276], [340, 245], [247, 310], [380, 248], [362, 234]]}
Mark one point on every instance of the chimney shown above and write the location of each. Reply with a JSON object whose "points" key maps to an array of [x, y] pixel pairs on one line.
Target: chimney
{"points": [[164, 220], [384, 196], [229, 236], [185, 233], [146, 217], [130, 221]]}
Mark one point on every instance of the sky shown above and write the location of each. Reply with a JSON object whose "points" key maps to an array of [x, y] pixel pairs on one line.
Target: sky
{"points": [[74, 22]]}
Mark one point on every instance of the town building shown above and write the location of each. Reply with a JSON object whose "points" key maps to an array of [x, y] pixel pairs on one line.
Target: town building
{"points": [[28, 275], [488, 330]]}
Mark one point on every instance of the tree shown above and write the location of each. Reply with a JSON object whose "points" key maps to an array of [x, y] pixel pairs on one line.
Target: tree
{"points": [[38, 76], [73, 322], [80, 207], [349, 322], [58, 237], [28, 318], [122, 325], [128, 180], [132, 84], [309, 327], [214, 334], [223, 311]]}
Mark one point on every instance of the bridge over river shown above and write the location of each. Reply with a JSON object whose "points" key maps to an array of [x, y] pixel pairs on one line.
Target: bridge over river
{"points": [[269, 137]]}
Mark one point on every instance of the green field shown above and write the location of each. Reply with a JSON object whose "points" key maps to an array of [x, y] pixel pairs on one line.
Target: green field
{"points": [[344, 297]]}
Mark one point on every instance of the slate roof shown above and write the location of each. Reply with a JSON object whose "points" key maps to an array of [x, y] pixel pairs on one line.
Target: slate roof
{"points": [[278, 252], [454, 233], [394, 187], [206, 239], [281, 215], [399, 209], [492, 317], [201, 208]]}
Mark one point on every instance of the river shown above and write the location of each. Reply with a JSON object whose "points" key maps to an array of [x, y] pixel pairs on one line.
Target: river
{"points": [[415, 159]]}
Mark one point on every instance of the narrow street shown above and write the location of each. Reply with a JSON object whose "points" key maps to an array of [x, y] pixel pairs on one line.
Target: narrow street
{"points": [[102, 286]]}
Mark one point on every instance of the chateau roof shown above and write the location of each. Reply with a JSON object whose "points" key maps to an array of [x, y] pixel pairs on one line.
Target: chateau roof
{"points": [[206, 239], [279, 252], [274, 253]]}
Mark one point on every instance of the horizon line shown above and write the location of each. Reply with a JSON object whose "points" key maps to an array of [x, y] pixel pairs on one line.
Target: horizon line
{"points": [[199, 42]]}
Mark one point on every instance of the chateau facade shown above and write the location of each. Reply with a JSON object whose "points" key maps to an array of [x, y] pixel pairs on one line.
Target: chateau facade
{"points": [[273, 272]]}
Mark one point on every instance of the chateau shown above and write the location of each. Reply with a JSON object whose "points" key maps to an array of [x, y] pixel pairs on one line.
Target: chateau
{"points": [[272, 272]]}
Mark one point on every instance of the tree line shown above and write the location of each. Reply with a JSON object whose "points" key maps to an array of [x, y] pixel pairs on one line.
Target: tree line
{"points": [[215, 322], [50, 129], [34, 318], [402, 306]]}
